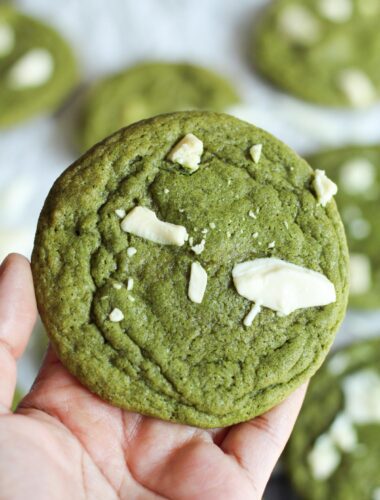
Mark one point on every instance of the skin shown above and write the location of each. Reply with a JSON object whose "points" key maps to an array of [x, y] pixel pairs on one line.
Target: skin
{"points": [[64, 442]]}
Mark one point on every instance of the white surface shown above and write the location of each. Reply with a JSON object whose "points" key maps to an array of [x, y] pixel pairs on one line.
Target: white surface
{"points": [[108, 35]]}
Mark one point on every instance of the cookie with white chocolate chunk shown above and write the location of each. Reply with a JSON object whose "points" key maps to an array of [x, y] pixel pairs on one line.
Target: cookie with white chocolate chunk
{"points": [[37, 67], [324, 51], [335, 448], [184, 275], [356, 170]]}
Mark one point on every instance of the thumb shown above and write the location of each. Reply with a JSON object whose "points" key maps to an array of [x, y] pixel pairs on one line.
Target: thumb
{"points": [[18, 314]]}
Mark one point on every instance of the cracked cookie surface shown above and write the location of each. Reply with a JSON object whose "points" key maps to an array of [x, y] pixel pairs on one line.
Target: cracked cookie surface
{"points": [[170, 357]]}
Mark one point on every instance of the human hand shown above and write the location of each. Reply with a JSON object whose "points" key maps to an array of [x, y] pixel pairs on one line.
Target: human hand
{"points": [[65, 443]]}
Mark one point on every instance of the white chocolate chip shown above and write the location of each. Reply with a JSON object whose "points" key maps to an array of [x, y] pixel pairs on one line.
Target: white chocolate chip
{"points": [[272, 244], [324, 458], [362, 397], [198, 249], [255, 152], [360, 274], [166, 191], [255, 310], [131, 251], [255, 235], [198, 283], [130, 283], [181, 210], [338, 11], [286, 224], [130, 298], [116, 315], [252, 214], [359, 228], [33, 69], [117, 286], [143, 222], [299, 24], [204, 231], [343, 433], [187, 152], [212, 225], [282, 286], [357, 176], [7, 39], [120, 212], [324, 187], [191, 241], [357, 87]]}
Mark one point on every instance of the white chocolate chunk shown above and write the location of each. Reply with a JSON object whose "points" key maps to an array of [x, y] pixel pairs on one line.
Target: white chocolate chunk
{"points": [[338, 363], [166, 191], [299, 24], [187, 152], [252, 214], [255, 235], [198, 283], [343, 433], [130, 298], [143, 222], [120, 212], [116, 315], [117, 286], [357, 176], [338, 11], [324, 458], [362, 397], [33, 69], [255, 310], [272, 244], [282, 286], [360, 274], [212, 225], [376, 494], [198, 249], [357, 87], [359, 228], [7, 39], [130, 284], [324, 187], [255, 152], [131, 251]]}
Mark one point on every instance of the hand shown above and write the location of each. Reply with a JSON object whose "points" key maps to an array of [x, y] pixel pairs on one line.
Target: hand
{"points": [[65, 443]]}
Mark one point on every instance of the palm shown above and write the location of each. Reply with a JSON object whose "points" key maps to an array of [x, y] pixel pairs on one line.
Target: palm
{"points": [[64, 442]]}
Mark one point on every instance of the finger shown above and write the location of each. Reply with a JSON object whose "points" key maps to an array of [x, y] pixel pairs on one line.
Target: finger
{"points": [[257, 444], [18, 314]]}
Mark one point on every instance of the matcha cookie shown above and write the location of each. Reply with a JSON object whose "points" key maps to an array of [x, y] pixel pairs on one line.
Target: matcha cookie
{"points": [[335, 448], [356, 170], [37, 67], [191, 267], [325, 51], [150, 89]]}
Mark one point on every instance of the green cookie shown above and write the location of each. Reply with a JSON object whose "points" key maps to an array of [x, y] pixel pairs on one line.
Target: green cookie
{"points": [[18, 395], [144, 345], [37, 67], [150, 89], [335, 448], [325, 51], [356, 170]]}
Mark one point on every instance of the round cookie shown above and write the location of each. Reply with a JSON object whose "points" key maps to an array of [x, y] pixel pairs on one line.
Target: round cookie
{"points": [[335, 447], [322, 51], [356, 170], [115, 299], [150, 89], [37, 67]]}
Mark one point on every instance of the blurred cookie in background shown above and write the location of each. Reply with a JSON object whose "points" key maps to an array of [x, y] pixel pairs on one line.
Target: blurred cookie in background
{"points": [[37, 67], [149, 89], [324, 51], [356, 170], [335, 447]]}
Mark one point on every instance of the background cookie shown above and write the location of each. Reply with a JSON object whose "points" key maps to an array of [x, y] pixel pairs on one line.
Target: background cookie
{"points": [[321, 50], [149, 89], [37, 67], [356, 170], [122, 319], [335, 447]]}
